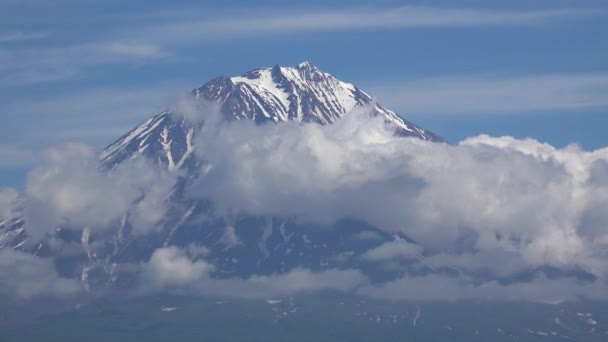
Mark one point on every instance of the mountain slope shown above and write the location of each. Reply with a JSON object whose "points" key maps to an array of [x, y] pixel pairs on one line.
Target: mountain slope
{"points": [[302, 93], [237, 246]]}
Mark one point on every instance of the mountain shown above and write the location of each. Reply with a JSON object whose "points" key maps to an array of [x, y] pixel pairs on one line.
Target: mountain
{"points": [[244, 245], [302, 93]]}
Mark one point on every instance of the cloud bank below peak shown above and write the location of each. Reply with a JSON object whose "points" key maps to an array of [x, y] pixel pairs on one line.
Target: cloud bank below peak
{"points": [[491, 208], [485, 194], [69, 189]]}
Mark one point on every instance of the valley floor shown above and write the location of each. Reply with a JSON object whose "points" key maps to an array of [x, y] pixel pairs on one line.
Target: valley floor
{"points": [[312, 318]]}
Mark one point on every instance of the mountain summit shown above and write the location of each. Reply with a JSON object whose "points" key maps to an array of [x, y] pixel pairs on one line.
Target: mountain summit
{"points": [[302, 93], [238, 246]]}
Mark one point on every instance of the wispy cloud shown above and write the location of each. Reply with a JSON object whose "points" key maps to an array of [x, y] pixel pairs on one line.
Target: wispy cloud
{"points": [[24, 276], [491, 95], [31, 65], [7, 37], [106, 103], [161, 37], [96, 116], [391, 18], [142, 50]]}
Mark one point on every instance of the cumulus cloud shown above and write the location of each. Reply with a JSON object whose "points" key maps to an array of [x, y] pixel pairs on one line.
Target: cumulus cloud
{"points": [[8, 200], [495, 206], [296, 281], [305, 170], [24, 276], [495, 196], [393, 250], [171, 266], [69, 188], [195, 110], [183, 271]]}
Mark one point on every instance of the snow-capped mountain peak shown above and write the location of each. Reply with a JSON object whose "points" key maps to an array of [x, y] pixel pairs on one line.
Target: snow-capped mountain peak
{"points": [[301, 93]]}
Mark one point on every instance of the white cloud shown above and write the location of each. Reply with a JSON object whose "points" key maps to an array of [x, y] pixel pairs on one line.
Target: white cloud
{"points": [[95, 116], [296, 281], [171, 266], [229, 238], [393, 250], [275, 22], [181, 271], [492, 205], [24, 276], [155, 38], [8, 200], [41, 4], [495, 95], [195, 110], [196, 251], [8, 37], [69, 188], [142, 50], [32, 64], [485, 195]]}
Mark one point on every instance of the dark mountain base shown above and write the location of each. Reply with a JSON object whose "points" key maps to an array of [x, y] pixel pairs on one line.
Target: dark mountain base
{"points": [[316, 318]]}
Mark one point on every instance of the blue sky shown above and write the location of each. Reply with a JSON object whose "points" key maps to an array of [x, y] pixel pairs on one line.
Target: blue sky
{"points": [[91, 70]]}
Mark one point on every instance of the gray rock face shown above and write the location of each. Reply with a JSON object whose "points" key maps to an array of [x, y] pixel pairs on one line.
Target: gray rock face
{"points": [[241, 246]]}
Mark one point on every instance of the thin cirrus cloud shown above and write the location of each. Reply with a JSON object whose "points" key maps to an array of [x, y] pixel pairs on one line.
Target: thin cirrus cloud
{"points": [[159, 39], [8, 37], [110, 112], [32, 65], [357, 19], [495, 95]]}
